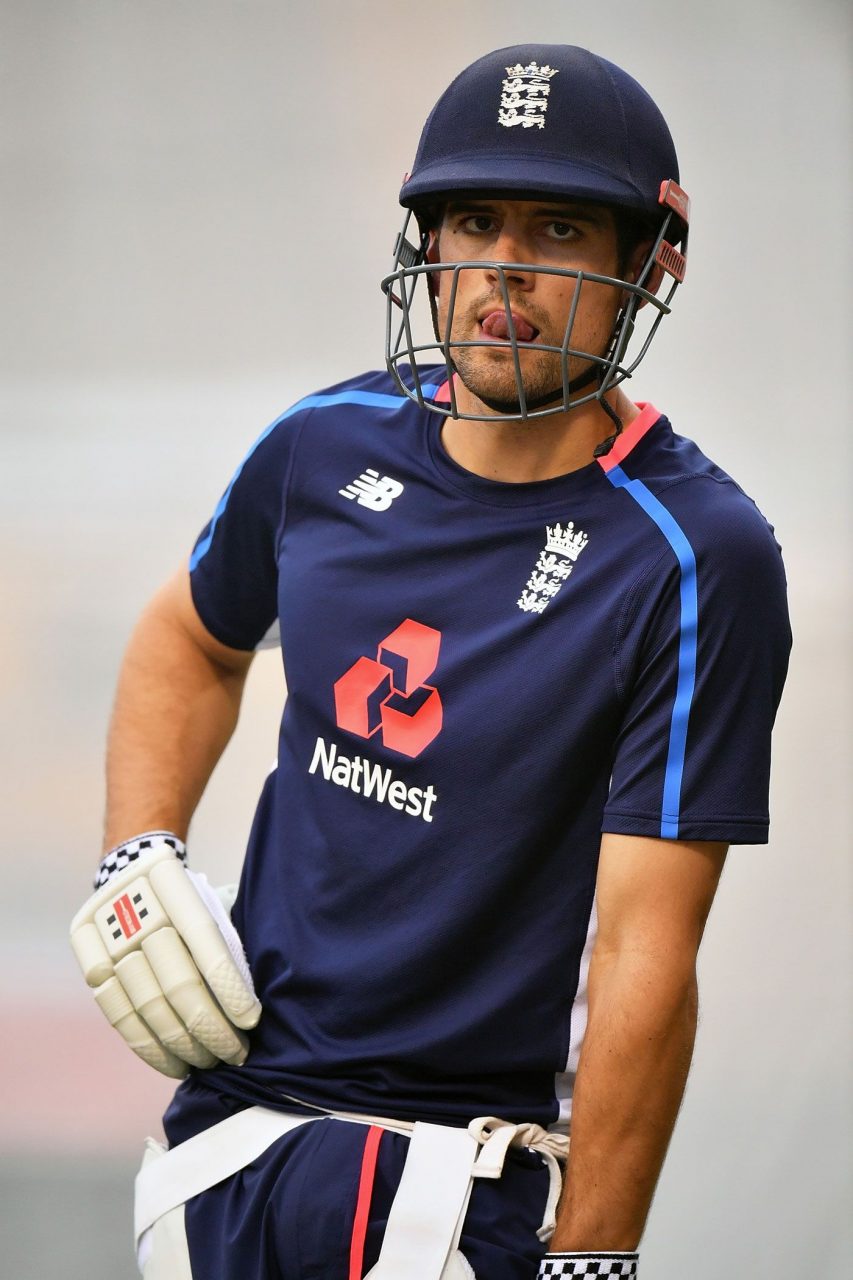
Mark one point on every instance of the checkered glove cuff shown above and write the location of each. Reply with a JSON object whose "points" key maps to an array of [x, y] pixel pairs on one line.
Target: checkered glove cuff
{"points": [[123, 855], [589, 1264]]}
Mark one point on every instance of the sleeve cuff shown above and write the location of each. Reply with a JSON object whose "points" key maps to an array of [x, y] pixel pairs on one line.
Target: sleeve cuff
{"points": [[115, 860], [613, 1265]]}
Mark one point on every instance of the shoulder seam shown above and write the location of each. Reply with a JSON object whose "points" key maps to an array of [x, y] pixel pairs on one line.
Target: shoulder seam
{"points": [[279, 533]]}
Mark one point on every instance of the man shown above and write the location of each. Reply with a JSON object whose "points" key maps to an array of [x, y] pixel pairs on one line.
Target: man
{"points": [[534, 644]]}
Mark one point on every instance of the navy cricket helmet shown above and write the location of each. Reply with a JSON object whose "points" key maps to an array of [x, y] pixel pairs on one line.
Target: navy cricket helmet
{"points": [[548, 122]]}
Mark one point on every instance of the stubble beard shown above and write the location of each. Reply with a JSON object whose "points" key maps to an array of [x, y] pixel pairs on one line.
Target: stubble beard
{"points": [[488, 370], [491, 377]]}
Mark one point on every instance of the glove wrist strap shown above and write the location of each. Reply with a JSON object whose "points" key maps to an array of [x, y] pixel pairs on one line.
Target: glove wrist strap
{"points": [[120, 857], [613, 1265]]}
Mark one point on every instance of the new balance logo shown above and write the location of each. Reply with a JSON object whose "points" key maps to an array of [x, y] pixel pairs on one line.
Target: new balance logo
{"points": [[372, 490]]}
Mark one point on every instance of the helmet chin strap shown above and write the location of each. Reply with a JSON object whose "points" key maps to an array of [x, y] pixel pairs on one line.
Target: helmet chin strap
{"points": [[605, 446], [602, 449]]}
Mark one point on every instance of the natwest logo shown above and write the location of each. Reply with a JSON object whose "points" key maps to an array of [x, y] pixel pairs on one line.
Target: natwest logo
{"points": [[388, 694]]}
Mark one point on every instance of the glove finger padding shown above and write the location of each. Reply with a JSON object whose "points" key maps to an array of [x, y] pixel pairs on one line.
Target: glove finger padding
{"points": [[156, 956], [113, 1001], [150, 998], [183, 987], [199, 917]]}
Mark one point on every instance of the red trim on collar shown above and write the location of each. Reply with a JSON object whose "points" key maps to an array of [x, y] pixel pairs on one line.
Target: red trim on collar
{"points": [[625, 441], [630, 437]]}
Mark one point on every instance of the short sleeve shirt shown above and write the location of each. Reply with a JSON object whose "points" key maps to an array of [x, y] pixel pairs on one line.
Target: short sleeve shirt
{"points": [[482, 678]]}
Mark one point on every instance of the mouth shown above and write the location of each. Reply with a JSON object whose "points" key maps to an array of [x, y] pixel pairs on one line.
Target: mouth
{"points": [[494, 327]]}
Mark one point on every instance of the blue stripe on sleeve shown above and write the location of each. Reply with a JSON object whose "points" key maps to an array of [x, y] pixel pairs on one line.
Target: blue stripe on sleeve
{"points": [[688, 629], [203, 546], [369, 399]]}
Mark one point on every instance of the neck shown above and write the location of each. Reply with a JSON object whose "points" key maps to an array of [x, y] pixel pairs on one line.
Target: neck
{"points": [[518, 452]]}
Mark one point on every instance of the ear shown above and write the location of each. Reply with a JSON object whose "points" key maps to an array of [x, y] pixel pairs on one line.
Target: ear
{"points": [[654, 281], [635, 267], [433, 255]]}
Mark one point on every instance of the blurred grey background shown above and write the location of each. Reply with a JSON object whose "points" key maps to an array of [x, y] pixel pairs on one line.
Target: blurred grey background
{"points": [[198, 200]]}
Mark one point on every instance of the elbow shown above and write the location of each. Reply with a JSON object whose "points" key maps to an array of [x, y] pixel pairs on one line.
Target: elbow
{"points": [[646, 978]]}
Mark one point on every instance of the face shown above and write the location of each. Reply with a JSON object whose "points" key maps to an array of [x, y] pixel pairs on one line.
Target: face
{"points": [[572, 236]]}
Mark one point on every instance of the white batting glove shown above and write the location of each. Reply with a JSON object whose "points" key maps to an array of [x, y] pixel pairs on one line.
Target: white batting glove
{"points": [[167, 966]]}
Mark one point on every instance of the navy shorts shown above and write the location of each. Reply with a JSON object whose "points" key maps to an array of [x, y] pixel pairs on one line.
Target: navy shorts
{"points": [[291, 1214]]}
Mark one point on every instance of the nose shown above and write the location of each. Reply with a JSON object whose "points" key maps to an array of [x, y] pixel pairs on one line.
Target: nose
{"points": [[510, 248]]}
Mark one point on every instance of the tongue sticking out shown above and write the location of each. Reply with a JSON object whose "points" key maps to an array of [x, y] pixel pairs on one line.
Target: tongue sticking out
{"points": [[496, 325]]}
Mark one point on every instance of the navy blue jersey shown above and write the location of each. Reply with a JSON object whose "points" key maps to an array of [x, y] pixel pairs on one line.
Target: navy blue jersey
{"points": [[482, 677]]}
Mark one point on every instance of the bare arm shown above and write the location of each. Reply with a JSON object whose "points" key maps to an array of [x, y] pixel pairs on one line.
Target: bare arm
{"points": [[176, 707], [653, 898]]}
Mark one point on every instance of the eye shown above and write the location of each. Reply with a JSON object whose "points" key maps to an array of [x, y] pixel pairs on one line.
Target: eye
{"points": [[478, 223], [560, 231]]}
